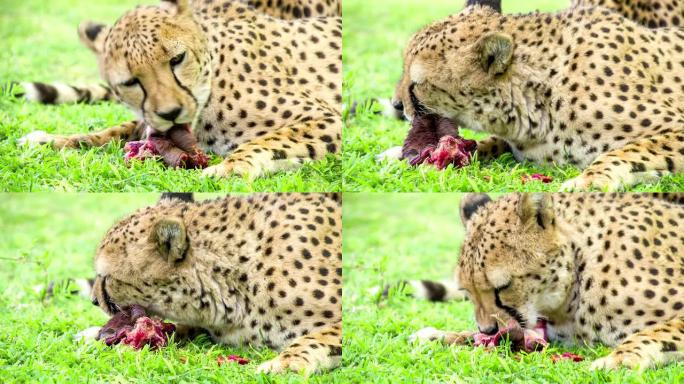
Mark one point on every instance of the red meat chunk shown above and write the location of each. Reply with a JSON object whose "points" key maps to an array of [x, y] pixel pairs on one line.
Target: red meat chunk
{"points": [[536, 176], [435, 140], [132, 327], [521, 339], [449, 150], [232, 359], [177, 148], [566, 356]]}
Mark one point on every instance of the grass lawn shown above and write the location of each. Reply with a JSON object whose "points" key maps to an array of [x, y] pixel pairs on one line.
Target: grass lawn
{"points": [[375, 34], [388, 237], [51, 236], [38, 42]]}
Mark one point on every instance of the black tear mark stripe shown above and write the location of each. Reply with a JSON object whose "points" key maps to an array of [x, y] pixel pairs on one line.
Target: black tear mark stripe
{"points": [[183, 87], [510, 310], [142, 105]]}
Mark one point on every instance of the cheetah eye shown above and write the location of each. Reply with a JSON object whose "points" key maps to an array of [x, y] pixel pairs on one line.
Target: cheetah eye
{"points": [[131, 82], [177, 59]]}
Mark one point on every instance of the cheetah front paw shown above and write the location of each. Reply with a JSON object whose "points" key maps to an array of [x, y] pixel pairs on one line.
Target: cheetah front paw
{"points": [[620, 359], [36, 138], [426, 335], [294, 363], [230, 168], [217, 171], [584, 182]]}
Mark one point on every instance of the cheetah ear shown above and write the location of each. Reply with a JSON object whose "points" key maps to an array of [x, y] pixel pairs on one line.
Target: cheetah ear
{"points": [[471, 203], [182, 6], [169, 235], [93, 35], [494, 4], [536, 208], [496, 52]]}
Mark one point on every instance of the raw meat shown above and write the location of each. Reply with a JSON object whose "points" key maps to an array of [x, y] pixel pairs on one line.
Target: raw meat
{"points": [[435, 140], [521, 339], [177, 148], [536, 176], [232, 359], [450, 150], [566, 356], [131, 326]]}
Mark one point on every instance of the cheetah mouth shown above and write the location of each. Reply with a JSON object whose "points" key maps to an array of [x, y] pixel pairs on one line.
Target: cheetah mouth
{"points": [[419, 108], [154, 132]]}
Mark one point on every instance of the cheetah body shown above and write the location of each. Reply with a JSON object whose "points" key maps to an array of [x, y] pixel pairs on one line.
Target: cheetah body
{"points": [[601, 268], [585, 87], [263, 270]]}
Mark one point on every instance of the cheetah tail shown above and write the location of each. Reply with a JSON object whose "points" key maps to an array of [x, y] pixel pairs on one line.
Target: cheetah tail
{"points": [[447, 290], [60, 93], [380, 107]]}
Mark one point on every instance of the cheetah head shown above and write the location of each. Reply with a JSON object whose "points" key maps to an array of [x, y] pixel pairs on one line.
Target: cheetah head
{"points": [[511, 263], [150, 258], [156, 60], [453, 67]]}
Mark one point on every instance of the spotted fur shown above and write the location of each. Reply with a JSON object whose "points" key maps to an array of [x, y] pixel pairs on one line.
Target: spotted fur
{"points": [[651, 13], [263, 270]]}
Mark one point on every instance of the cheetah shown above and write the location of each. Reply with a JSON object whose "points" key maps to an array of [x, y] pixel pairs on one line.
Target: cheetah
{"points": [[585, 87], [651, 13], [262, 91], [263, 270], [600, 268]]}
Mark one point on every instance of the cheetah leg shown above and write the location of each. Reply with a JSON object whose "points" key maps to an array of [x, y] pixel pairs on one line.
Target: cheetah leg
{"points": [[283, 149], [449, 338], [127, 131], [658, 345], [644, 160], [491, 148], [315, 352]]}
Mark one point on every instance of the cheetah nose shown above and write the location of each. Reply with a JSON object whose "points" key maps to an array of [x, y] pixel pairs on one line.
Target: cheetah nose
{"points": [[94, 301], [398, 105], [171, 115], [489, 330]]}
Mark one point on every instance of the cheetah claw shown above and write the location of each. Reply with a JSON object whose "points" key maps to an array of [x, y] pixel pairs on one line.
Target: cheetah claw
{"points": [[614, 362], [229, 168], [292, 363], [217, 171], [583, 183]]}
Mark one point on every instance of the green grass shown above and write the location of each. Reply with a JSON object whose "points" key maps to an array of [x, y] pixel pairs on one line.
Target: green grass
{"points": [[38, 42], [388, 237], [375, 34], [52, 236]]}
